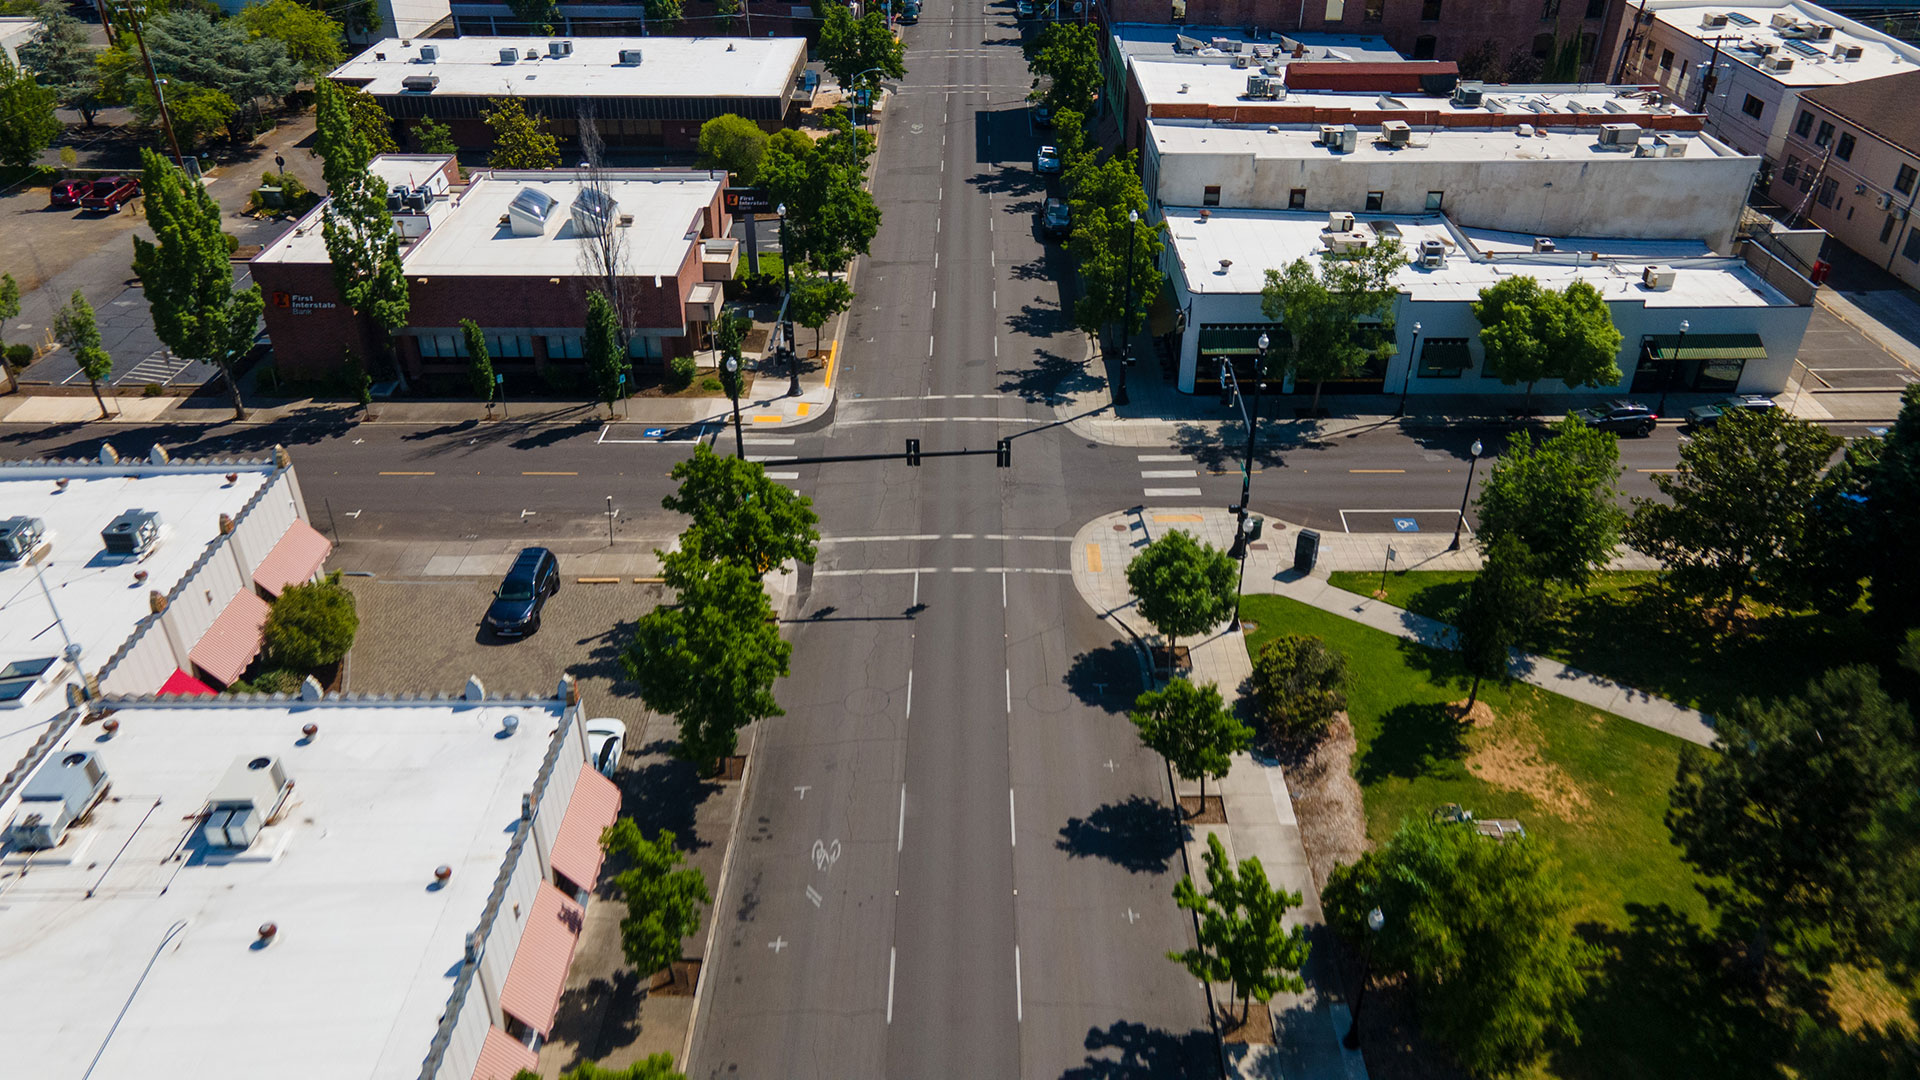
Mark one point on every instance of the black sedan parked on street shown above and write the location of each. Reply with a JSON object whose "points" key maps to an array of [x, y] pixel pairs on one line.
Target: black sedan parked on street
{"points": [[515, 611], [1620, 417]]}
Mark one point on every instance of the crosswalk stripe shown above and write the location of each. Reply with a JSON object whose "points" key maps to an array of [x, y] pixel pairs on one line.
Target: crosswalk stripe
{"points": [[771, 457], [1167, 474], [783, 476], [1170, 493], [1165, 457]]}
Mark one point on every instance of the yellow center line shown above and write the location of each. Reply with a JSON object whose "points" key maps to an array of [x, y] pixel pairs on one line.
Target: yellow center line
{"points": [[406, 474], [1656, 470], [1376, 471], [549, 474]]}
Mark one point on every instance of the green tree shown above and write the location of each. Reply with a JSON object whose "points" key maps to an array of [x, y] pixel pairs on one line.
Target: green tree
{"points": [[1117, 255], [1241, 940], [831, 216], [653, 1067], [1076, 152], [479, 362], [1298, 684], [372, 121], [1557, 497], [663, 14], [361, 242], [541, 16], [1782, 820], [311, 625], [663, 901], [1340, 314], [1181, 587], [434, 137], [816, 299], [520, 140], [1481, 930], [27, 123], [727, 13], [1192, 728], [1890, 484], [1066, 56], [733, 143], [730, 332], [606, 360], [312, 39], [196, 112], [710, 660], [850, 46], [187, 273], [1532, 333], [1739, 508], [190, 49], [9, 309], [61, 57], [1504, 602], [75, 328], [740, 517]]}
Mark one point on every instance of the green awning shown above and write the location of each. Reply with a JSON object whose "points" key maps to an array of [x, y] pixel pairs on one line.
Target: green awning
{"points": [[1447, 353], [1707, 347], [1241, 340]]}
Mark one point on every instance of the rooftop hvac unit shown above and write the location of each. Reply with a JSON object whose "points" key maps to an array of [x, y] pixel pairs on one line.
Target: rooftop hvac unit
{"points": [[558, 49], [527, 214], [1658, 147], [243, 801], [630, 57], [1657, 277], [1619, 134], [1263, 86], [1273, 68], [533, 54], [19, 536], [1242, 60], [1183, 43], [1396, 133], [1713, 20], [132, 533], [429, 53], [1800, 31], [1844, 51], [423, 84], [1433, 253], [1784, 19], [1340, 221], [58, 795], [1881, 202], [1822, 32], [1543, 244], [1339, 138], [1227, 45], [594, 212], [1776, 63], [1468, 95], [509, 55], [1341, 243]]}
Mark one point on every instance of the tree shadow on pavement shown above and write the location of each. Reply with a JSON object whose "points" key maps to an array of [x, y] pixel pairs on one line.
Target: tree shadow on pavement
{"points": [[603, 651], [1106, 678], [1139, 835], [1046, 380], [604, 1015], [1039, 319], [666, 793], [1134, 1051]]}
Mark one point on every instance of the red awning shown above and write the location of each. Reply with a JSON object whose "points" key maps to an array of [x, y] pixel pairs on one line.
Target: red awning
{"points": [[501, 1056], [576, 850], [233, 640], [296, 558], [181, 684], [539, 971]]}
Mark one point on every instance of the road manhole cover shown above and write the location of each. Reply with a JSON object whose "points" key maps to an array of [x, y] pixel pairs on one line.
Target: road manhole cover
{"points": [[866, 701]]}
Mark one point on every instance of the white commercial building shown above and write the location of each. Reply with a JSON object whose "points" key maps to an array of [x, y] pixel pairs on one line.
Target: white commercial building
{"points": [[1746, 65], [139, 576], [314, 887], [1742, 333]]}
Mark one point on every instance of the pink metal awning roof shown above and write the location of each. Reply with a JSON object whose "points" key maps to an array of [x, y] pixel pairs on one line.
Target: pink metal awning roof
{"points": [[576, 850], [501, 1056], [296, 558], [539, 971], [233, 640], [181, 684]]}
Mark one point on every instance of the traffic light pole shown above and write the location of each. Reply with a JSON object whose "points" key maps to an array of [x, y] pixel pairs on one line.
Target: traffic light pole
{"points": [[1002, 452]]}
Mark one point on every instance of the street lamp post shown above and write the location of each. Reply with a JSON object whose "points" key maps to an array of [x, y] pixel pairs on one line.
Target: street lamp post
{"points": [[732, 364], [136, 11], [1406, 381], [786, 314], [1667, 382], [1126, 313], [1375, 920], [1244, 526], [1462, 523]]}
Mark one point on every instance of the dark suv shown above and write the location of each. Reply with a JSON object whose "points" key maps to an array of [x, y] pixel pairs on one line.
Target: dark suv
{"points": [[1620, 417], [1056, 218], [515, 610]]}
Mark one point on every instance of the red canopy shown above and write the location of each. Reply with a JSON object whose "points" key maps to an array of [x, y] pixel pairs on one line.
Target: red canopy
{"points": [[181, 684]]}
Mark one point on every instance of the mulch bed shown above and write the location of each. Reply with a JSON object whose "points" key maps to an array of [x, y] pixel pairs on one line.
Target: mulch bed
{"points": [[678, 980], [1181, 662], [733, 768], [1213, 813], [1257, 1028], [1327, 800]]}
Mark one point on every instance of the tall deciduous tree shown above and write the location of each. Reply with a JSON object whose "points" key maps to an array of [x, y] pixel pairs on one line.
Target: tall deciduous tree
{"points": [[831, 216], [1118, 257], [816, 299], [311, 625], [1298, 684], [1890, 485], [9, 309], [74, 327], [1782, 820], [663, 14], [733, 143], [373, 123], [27, 123], [479, 362], [1532, 333], [311, 37], [663, 899], [1480, 927], [540, 16], [1241, 939], [1339, 313], [191, 49], [61, 56], [710, 661], [1066, 57], [1504, 602], [1181, 587], [739, 516], [187, 274], [606, 360], [520, 140], [361, 242], [433, 137], [1557, 497], [603, 256], [1192, 728], [1739, 507], [850, 45]]}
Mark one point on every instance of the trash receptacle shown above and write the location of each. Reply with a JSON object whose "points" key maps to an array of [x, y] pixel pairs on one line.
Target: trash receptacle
{"points": [[1306, 551]]}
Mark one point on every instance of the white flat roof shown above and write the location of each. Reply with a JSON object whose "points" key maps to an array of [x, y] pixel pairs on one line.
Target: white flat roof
{"points": [[1220, 83], [674, 67], [1879, 54], [1289, 141], [1140, 40], [1257, 240], [97, 595], [140, 947]]}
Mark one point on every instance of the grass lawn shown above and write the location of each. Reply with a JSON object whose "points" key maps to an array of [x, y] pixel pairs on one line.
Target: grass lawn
{"points": [[1620, 629]]}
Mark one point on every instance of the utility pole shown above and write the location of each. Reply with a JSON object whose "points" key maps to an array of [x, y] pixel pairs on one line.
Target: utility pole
{"points": [[1708, 80], [1626, 47], [136, 12]]}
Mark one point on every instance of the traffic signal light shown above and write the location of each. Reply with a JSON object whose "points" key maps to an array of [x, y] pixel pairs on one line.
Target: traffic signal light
{"points": [[1003, 454], [913, 452]]}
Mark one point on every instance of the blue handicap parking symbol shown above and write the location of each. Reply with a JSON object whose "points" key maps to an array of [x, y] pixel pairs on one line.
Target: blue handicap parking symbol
{"points": [[1405, 525], [656, 432]]}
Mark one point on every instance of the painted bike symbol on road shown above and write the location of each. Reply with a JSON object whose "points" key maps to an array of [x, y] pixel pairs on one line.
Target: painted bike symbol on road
{"points": [[825, 854]]}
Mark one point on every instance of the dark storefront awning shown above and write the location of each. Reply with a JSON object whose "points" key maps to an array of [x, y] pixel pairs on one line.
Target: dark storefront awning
{"points": [[1707, 347], [1241, 340], [1446, 353]]}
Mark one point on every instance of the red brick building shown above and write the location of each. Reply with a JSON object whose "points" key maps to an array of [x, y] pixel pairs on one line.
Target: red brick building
{"points": [[510, 251]]}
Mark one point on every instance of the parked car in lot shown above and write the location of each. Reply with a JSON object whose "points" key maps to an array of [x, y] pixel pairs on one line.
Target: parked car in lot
{"points": [[1056, 218], [1620, 417], [1705, 416], [515, 611], [606, 741], [68, 193], [110, 193], [1047, 161], [1042, 115]]}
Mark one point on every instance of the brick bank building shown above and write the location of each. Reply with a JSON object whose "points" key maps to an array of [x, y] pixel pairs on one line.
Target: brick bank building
{"points": [[510, 251]]}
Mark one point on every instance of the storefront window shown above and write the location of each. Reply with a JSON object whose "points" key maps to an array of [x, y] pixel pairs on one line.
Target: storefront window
{"points": [[1717, 375], [1444, 358]]}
